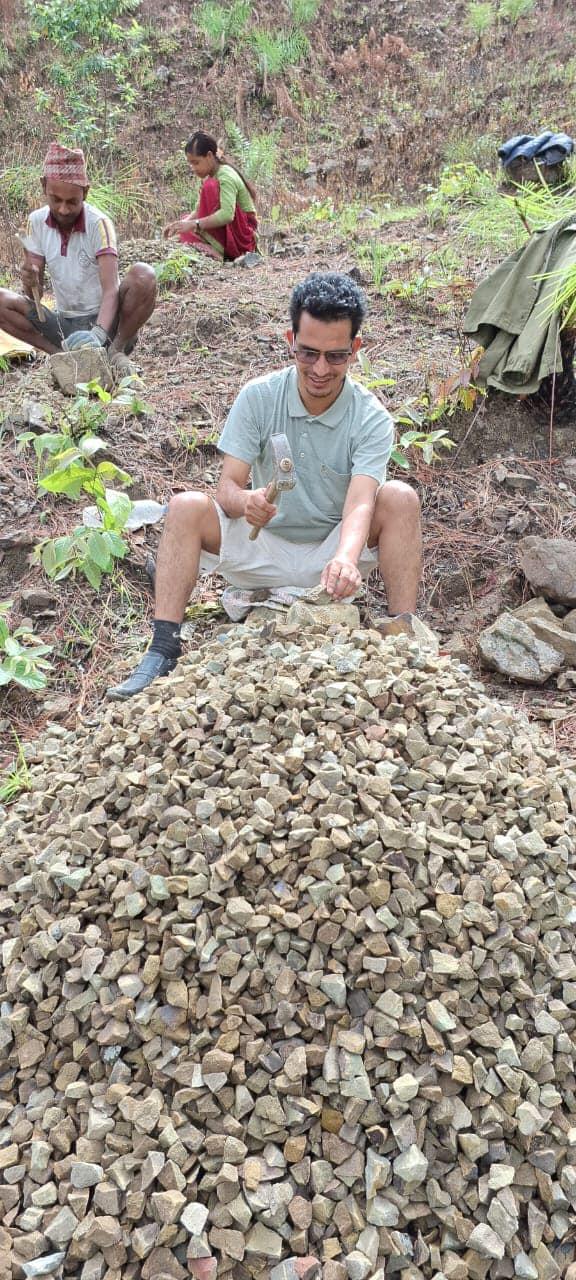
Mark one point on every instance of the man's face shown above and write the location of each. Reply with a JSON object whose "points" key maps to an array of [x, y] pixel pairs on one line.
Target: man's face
{"points": [[65, 201], [319, 378]]}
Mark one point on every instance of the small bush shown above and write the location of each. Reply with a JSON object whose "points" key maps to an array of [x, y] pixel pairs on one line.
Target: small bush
{"points": [[66, 21], [277, 53], [22, 658], [257, 156], [220, 25], [480, 17], [513, 10], [175, 270], [303, 11]]}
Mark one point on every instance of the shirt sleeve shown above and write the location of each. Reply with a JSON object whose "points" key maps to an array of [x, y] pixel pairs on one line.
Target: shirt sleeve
{"points": [[32, 239], [242, 432], [374, 442], [102, 237], [228, 192]]}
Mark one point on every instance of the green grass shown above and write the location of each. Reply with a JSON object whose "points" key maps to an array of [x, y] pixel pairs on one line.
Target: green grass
{"points": [[277, 52], [480, 17], [513, 10], [257, 156], [17, 777], [219, 25]]}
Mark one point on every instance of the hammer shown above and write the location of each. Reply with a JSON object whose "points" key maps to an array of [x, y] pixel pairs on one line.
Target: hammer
{"points": [[35, 292], [283, 477]]}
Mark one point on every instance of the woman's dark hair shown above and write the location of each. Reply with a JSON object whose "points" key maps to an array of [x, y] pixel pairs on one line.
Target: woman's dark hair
{"points": [[200, 144], [328, 295]]}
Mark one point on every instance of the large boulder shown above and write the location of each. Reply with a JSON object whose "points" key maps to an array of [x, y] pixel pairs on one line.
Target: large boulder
{"points": [[511, 647], [549, 564]]}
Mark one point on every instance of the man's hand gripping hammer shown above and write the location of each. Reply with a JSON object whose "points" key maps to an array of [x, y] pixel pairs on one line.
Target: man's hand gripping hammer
{"points": [[283, 473]]}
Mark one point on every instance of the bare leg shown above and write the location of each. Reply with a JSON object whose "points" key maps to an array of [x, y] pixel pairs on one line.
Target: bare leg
{"points": [[136, 303], [192, 526], [396, 530], [14, 320]]}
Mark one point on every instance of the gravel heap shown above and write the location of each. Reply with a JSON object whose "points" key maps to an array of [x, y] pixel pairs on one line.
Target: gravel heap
{"points": [[290, 978]]}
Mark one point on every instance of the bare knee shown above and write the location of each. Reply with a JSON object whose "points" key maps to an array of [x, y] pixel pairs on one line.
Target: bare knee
{"points": [[141, 280], [396, 498], [189, 510], [11, 301]]}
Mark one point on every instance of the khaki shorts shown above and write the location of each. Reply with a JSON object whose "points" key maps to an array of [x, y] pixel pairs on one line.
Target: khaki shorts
{"points": [[272, 561]]}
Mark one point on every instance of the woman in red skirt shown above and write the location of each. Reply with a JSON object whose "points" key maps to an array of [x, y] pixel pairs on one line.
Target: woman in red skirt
{"points": [[224, 222]]}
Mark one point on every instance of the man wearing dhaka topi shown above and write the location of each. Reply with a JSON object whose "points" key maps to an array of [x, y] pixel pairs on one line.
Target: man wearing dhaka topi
{"points": [[76, 242]]}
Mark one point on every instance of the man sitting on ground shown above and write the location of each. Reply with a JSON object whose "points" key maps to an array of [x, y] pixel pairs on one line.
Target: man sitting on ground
{"points": [[338, 522], [77, 242]]}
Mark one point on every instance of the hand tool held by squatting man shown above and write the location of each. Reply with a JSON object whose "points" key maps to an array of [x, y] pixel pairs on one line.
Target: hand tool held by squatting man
{"points": [[283, 473], [35, 292]]}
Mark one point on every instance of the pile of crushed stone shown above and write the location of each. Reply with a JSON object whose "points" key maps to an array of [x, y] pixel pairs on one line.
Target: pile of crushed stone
{"points": [[289, 977]]}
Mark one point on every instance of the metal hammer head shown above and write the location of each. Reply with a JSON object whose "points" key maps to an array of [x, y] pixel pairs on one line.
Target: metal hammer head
{"points": [[283, 473]]}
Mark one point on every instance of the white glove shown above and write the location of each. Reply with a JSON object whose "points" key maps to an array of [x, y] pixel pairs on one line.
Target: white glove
{"points": [[81, 338]]}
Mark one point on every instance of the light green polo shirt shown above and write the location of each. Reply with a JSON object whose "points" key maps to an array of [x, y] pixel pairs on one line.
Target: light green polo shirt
{"points": [[353, 437]]}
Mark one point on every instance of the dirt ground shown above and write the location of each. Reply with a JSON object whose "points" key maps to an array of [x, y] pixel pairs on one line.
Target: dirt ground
{"points": [[205, 339]]}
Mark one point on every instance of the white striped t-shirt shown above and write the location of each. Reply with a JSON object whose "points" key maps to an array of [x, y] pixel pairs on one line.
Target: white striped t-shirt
{"points": [[72, 259]]}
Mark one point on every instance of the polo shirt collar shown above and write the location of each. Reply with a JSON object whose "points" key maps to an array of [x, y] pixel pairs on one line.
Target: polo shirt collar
{"points": [[78, 225], [332, 416]]}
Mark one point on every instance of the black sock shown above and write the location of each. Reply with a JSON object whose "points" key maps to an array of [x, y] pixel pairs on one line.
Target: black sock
{"points": [[166, 638]]}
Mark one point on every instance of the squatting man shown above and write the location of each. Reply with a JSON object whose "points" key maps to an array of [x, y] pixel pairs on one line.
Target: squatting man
{"points": [[77, 243], [337, 523]]}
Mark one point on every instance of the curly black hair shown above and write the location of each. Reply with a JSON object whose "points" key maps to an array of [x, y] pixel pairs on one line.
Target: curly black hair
{"points": [[328, 295]]}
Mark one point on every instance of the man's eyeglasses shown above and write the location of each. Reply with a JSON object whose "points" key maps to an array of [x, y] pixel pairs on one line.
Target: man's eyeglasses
{"points": [[307, 355]]}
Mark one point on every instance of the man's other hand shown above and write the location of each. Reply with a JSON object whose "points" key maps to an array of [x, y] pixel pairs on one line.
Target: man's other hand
{"points": [[341, 578], [258, 510], [30, 278], [81, 338]]}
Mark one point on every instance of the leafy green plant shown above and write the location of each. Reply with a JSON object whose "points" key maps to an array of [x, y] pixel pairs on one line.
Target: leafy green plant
{"points": [[70, 469], [513, 10], [368, 376], [426, 441], [17, 778], [22, 658], [65, 22], [258, 155], [175, 270], [92, 552], [124, 396], [459, 185], [220, 25], [480, 17]]}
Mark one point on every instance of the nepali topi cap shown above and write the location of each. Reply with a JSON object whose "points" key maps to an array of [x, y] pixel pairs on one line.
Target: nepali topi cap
{"points": [[65, 164]]}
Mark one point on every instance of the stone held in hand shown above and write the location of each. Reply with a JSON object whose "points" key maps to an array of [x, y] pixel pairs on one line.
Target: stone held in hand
{"points": [[86, 364]]}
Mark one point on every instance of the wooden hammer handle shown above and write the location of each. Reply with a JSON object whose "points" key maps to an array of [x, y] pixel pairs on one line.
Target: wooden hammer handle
{"points": [[271, 494], [36, 296]]}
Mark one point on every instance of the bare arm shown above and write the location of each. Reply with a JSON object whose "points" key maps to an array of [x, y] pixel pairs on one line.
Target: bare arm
{"points": [[184, 223], [32, 273], [108, 271], [341, 576], [238, 501]]}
